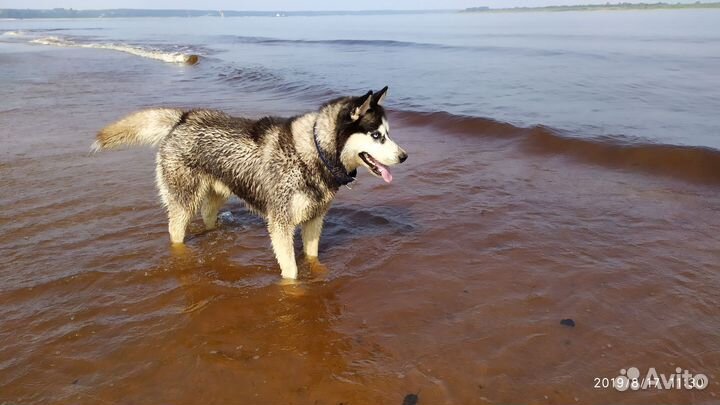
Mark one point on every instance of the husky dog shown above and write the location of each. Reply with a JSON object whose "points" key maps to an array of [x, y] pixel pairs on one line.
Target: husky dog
{"points": [[285, 169]]}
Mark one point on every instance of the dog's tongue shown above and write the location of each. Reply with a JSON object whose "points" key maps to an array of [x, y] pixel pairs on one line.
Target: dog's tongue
{"points": [[386, 175]]}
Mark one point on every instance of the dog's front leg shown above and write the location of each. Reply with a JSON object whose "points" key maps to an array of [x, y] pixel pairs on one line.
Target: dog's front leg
{"points": [[281, 235], [311, 231]]}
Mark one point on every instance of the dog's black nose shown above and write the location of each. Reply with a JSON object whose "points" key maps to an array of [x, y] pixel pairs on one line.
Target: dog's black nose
{"points": [[402, 157]]}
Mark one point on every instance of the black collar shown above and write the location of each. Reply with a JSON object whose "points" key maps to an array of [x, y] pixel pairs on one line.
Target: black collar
{"points": [[335, 168]]}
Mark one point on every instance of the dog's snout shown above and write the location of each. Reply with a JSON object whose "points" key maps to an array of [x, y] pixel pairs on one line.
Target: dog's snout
{"points": [[402, 157]]}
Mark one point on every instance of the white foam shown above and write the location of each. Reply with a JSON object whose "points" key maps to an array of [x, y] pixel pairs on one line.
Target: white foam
{"points": [[170, 57], [13, 34], [52, 41]]}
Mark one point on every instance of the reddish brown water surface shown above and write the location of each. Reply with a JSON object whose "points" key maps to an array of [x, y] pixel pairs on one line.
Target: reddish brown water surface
{"points": [[450, 283]]}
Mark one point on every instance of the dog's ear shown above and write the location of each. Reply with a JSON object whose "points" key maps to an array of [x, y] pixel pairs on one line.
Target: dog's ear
{"points": [[362, 105], [379, 97]]}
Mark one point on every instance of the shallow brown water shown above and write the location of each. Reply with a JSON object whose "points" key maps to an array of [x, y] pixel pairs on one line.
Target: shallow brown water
{"points": [[450, 283]]}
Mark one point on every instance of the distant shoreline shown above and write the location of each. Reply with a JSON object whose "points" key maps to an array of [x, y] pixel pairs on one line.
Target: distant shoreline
{"points": [[596, 7], [20, 14]]}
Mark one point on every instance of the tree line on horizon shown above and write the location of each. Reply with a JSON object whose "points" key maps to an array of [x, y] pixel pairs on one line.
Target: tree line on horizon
{"points": [[606, 6]]}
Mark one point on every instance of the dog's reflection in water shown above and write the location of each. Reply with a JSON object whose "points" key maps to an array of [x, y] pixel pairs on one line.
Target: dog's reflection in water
{"points": [[246, 314], [194, 268]]}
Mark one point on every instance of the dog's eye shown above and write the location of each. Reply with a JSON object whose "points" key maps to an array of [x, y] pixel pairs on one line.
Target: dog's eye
{"points": [[376, 135]]}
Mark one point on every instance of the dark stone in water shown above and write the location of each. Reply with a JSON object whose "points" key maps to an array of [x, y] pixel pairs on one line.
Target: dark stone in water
{"points": [[411, 399], [568, 322]]}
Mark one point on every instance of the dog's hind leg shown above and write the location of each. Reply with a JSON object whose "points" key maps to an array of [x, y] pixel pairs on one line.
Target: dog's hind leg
{"points": [[182, 191], [214, 200], [281, 235]]}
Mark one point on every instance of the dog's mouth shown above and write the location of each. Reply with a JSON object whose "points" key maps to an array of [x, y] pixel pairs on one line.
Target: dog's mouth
{"points": [[376, 167]]}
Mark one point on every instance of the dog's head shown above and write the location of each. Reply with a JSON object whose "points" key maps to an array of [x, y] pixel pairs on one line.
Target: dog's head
{"points": [[363, 136]]}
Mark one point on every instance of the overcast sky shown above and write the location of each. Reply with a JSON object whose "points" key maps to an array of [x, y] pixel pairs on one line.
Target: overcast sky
{"points": [[294, 5]]}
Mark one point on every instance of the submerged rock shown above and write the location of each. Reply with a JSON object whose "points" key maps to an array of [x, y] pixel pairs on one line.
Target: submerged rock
{"points": [[411, 399]]}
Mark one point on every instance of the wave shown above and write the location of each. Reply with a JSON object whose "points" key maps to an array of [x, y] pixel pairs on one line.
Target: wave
{"points": [[258, 79], [170, 57], [346, 42], [248, 74], [690, 163], [66, 29], [403, 44]]}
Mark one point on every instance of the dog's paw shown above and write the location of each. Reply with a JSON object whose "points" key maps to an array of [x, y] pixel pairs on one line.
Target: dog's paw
{"points": [[318, 271], [292, 288]]}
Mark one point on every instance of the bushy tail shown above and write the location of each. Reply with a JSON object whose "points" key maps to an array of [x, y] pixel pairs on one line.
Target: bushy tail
{"points": [[147, 127]]}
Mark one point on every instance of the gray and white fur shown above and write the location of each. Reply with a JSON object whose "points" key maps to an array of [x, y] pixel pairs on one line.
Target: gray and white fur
{"points": [[287, 170]]}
